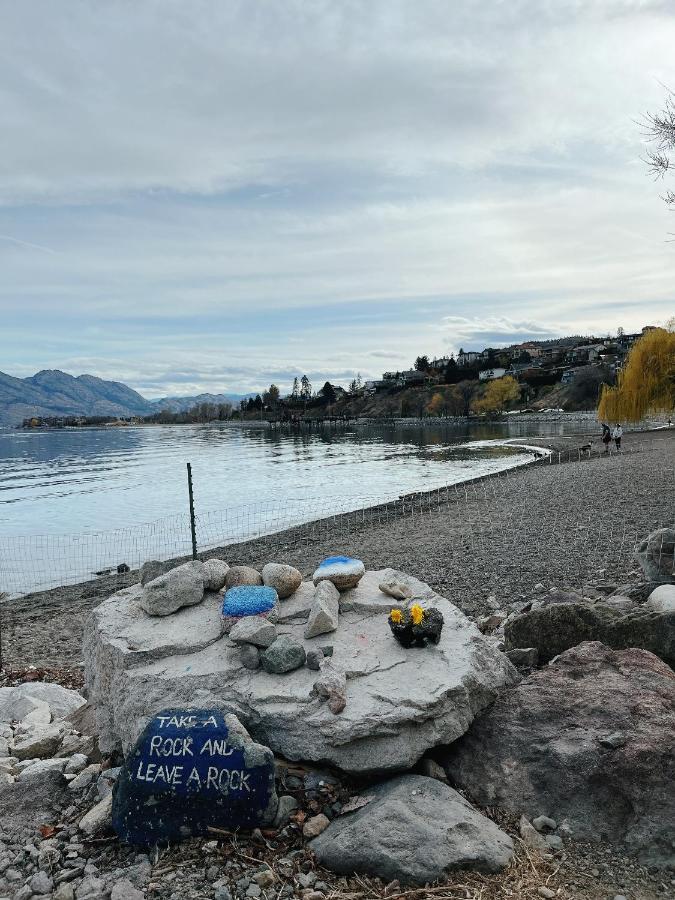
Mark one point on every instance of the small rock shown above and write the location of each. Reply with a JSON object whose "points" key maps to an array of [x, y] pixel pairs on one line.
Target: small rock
{"points": [[253, 630], [239, 576], [523, 657], [284, 579], [76, 764], [287, 805], [249, 657], [39, 768], [314, 826], [215, 573], [40, 743], [331, 685], [546, 892], [544, 823], [98, 817], [396, 589], [41, 883], [64, 891], [265, 879], [323, 617], [106, 781], [614, 740], [183, 586], [554, 841], [253, 890], [222, 893], [306, 879], [84, 778], [531, 837], [24, 893], [125, 890], [314, 658], [284, 655]]}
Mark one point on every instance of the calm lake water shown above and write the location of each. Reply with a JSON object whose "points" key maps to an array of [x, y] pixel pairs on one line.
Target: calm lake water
{"points": [[79, 482]]}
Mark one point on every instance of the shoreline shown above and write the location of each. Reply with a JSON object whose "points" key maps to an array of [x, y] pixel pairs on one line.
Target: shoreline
{"points": [[495, 536]]}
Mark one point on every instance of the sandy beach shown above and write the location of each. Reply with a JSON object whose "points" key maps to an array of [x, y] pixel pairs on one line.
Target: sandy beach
{"points": [[572, 525]]}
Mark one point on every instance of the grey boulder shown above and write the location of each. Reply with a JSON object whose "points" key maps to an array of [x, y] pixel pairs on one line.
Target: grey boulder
{"points": [[555, 628], [656, 555], [152, 569], [284, 579], [284, 655], [415, 830], [589, 738], [323, 617], [183, 586], [61, 701]]}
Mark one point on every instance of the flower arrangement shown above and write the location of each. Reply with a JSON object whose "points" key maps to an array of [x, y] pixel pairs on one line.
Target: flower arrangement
{"points": [[416, 626]]}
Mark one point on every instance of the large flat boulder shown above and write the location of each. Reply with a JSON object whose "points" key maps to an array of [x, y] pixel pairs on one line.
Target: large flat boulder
{"points": [[399, 702], [556, 627], [588, 740], [413, 829]]}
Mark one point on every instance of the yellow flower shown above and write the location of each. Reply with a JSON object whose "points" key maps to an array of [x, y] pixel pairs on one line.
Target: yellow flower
{"points": [[395, 616], [416, 613]]}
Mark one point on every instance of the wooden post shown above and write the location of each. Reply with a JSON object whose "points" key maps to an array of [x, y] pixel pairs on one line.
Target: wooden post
{"points": [[193, 530]]}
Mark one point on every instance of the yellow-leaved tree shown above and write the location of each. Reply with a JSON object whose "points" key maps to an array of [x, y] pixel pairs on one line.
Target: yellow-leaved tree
{"points": [[498, 394], [647, 381], [436, 406]]}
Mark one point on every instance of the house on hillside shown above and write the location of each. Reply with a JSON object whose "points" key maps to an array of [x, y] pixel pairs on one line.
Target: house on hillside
{"points": [[491, 374], [468, 358]]}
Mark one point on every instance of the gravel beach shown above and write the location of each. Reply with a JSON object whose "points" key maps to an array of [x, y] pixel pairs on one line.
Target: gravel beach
{"points": [[481, 545]]}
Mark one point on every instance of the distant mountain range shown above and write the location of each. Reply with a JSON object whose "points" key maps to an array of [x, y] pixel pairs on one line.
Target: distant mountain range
{"points": [[55, 393]]}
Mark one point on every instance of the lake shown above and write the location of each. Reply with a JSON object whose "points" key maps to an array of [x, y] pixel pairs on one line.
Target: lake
{"points": [[60, 489]]}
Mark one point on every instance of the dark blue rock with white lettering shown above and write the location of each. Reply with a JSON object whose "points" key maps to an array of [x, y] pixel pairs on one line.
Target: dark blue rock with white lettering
{"points": [[192, 769]]}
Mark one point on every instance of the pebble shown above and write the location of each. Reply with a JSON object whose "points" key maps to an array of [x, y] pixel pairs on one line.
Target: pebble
{"points": [[544, 823], [546, 892], [222, 893], [41, 883], [314, 826]]}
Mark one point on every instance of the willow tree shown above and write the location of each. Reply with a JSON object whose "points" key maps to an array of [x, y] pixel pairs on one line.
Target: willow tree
{"points": [[647, 381]]}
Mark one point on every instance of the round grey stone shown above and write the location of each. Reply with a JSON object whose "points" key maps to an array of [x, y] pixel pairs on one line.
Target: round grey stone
{"points": [[284, 655]]}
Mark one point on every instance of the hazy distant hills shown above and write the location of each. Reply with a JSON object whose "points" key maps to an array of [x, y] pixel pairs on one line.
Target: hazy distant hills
{"points": [[55, 393]]}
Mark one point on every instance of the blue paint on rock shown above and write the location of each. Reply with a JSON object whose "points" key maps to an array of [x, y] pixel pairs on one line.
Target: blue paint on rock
{"points": [[248, 600], [331, 560], [192, 769]]}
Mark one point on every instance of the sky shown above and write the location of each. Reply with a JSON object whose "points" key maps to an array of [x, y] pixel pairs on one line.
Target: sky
{"points": [[210, 195]]}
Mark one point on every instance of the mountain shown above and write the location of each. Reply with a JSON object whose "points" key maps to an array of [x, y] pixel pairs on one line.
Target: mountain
{"points": [[55, 393], [183, 404]]}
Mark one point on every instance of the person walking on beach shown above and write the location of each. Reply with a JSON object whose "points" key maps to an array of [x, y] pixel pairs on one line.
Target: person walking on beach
{"points": [[617, 434], [606, 436]]}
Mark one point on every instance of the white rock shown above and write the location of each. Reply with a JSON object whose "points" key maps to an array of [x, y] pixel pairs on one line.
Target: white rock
{"points": [[85, 778], [399, 702], [183, 586], [98, 817], [124, 890], [38, 769], [215, 571], [39, 743], [254, 630], [6, 778], [344, 572], [323, 617], [27, 711], [398, 591], [662, 599], [61, 701], [76, 763]]}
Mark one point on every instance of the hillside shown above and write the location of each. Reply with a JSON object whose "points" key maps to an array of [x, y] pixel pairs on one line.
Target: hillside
{"points": [[183, 404], [55, 393]]}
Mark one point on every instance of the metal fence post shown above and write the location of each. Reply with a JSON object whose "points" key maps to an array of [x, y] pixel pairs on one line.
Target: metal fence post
{"points": [[193, 529]]}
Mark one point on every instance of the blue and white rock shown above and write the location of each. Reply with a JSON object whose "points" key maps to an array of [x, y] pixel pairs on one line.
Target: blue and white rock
{"points": [[400, 703], [323, 617], [182, 586], [343, 571], [192, 769]]}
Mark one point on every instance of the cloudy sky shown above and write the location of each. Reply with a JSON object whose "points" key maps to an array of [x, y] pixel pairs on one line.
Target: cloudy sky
{"points": [[212, 195]]}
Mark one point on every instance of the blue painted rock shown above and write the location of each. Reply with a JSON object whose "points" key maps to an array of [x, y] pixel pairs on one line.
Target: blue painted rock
{"points": [[192, 769], [249, 600], [343, 571]]}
